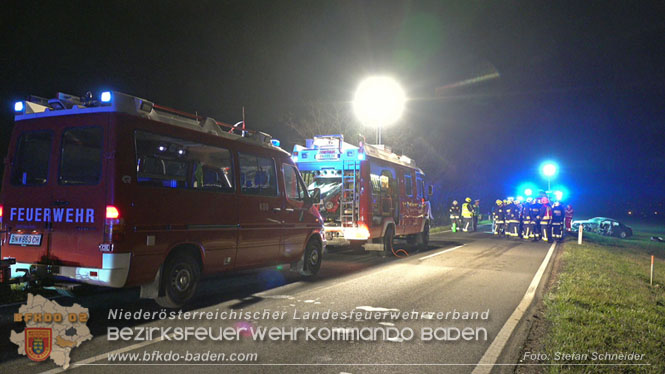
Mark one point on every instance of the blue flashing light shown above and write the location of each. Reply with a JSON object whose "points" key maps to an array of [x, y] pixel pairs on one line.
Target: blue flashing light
{"points": [[19, 106], [361, 156], [275, 142], [560, 192], [526, 189], [106, 97]]}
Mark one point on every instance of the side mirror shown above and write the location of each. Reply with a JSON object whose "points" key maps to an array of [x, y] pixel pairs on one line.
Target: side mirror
{"points": [[430, 190], [315, 196]]}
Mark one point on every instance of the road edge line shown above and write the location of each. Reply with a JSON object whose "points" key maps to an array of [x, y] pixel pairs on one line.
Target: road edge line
{"points": [[493, 352]]}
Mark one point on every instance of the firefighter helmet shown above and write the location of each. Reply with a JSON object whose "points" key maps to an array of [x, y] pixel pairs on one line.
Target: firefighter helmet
{"points": [[544, 200], [529, 200], [454, 202], [468, 199], [499, 202]]}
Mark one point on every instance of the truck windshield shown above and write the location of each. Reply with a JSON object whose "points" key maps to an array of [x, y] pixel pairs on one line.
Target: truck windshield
{"points": [[32, 158], [331, 192], [328, 186]]}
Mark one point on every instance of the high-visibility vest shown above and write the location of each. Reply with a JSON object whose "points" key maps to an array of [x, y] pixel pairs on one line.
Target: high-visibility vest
{"points": [[467, 212]]}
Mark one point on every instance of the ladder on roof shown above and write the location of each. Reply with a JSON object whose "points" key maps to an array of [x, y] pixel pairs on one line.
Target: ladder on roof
{"points": [[349, 198]]}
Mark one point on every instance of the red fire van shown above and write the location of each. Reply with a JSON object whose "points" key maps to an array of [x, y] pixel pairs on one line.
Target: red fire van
{"points": [[369, 195], [122, 192]]}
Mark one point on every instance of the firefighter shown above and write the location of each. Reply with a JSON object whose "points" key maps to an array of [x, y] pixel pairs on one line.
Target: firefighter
{"points": [[527, 222], [557, 221], [499, 218], [512, 219], [519, 206], [454, 216], [535, 216], [467, 215], [569, 217], [545, 220], [476, 214]]}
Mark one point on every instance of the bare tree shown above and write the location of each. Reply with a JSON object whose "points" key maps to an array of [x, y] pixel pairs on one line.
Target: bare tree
{"points": [[323, 118]]}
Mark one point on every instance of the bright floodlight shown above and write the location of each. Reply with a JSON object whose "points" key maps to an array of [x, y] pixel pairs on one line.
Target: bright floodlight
{"points": [[528, 192], [18, 106], [379, 101], [558, 195], [549, 169]]}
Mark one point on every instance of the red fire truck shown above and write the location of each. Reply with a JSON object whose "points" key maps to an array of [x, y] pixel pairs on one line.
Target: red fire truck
{"points": [[119, 192], [369, 195]]}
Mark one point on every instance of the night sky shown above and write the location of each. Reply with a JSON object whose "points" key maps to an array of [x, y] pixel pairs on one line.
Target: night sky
{"points": [[580, 82]]}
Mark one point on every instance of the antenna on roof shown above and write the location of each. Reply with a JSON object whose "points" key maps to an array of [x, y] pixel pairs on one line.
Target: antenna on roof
{"points": [[239, 123]]}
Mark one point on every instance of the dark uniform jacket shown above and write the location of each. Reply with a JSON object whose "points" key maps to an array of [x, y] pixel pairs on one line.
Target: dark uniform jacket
{"points": [[455, 211], [498, 213], [558, 214], [545, 212]]}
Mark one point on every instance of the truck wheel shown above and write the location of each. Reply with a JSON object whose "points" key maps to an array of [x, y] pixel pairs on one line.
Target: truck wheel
{"points": [[424, 237], [388, 239], [313, 257], [180, 278]]}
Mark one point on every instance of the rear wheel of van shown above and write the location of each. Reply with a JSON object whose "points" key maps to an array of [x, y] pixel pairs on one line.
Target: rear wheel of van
{"points": [[424, 237], [180, 278], [388, 239], [313, 257]]}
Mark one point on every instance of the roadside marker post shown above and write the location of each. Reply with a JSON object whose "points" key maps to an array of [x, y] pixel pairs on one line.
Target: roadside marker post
{"points": [[651, 278], [580, 230]]}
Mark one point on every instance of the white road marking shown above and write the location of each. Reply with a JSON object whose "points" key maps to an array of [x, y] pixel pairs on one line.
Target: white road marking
{"points": [[442, 252], [492, 354]]}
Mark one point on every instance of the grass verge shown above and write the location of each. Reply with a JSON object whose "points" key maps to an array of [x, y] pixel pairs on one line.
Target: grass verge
{"points": [[603, 303]]}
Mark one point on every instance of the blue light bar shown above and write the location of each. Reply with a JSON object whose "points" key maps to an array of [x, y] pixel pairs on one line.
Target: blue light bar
{"points": [[19, 106], [275, 142], [106, 97]]}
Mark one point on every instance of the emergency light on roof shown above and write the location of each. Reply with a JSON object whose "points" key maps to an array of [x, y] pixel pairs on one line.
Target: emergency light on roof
{"points": [[275, 142], [18, 106], [105, 97]]}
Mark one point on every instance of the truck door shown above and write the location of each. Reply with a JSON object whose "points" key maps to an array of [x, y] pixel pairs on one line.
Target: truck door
{"points": [[27, 195], [79, 194], [259, 211], [295, 229]]}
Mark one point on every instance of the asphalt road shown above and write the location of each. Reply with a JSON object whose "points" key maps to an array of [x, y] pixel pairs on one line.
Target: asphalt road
{"points": [[457, 273]]}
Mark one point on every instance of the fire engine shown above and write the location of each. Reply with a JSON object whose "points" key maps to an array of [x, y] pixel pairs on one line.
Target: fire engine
{"points": [[118, 191], [369, 194]]}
